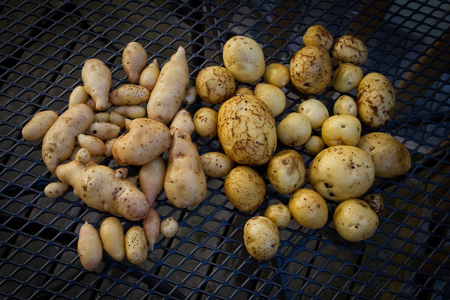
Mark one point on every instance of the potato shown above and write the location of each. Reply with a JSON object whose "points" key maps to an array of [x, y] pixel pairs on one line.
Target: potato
{"points": [[375, 100], [60, 139], [273, 96], [108, 147], [113, 238], [190, 96], [350, 49], [216, 164], [183, 120], [169, 91], [101, 117], [314, 145], [318, 35], [169, 227], [185, 180], [131, 111], [347, 77], [215, 84], [151, 179], [279, 214], [276, 74], [390, 156], [151, 225], [354, 220], [345, 105], [245, 188], [308, 208], [341, 172], [54, 190], [78, 95], [89, 247], [286, 171], [98, 187], [341, 130], [205, 122], [243, 90], [97, 82], [37, 127], [129, 94], [246, 130], [315, 111], [294, 130], [94, 145], [134, 59], [375, 202], [144, 140], [310, 69], [261, 238], [244, 58], [117, 119], [136, 249], [149, 76]]}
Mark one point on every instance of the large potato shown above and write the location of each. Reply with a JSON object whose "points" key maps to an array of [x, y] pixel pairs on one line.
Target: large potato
{"points": [[246, 130], [261, 238], [286, 171], [244, 58], [311, 69], [341, 172], [390, 156]]}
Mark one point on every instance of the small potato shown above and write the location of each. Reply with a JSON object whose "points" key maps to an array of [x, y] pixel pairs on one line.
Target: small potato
{"points": [[101, 117], [182, 120], [390, 156], [341, 130], [129, 94], [345, 105], [104, 131], [350, 49], [318, 35], [279, 214], [38, 126], [134, 59], [273, 96], [315, 111], [90, 248], [78, 95], [215, 84], [308, 208], [113, 238], [245, 188], [190, 96], [151, 179], [136, 249], [286, 171], [314, 145], [243, 90], [91, 103], [117, 119], [276, 74], [205, 122], [169, 227], [261, 238], [347, 77], [131, 111], [244, 58], [354, 220], [94, 145], [216, 164], [294, 130], [54, 190], [108, 147], [149, 75], [97, 82], [151, 225]]}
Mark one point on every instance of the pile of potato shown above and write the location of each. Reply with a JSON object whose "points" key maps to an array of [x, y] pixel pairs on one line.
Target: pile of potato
{"points": [[138, 122]]}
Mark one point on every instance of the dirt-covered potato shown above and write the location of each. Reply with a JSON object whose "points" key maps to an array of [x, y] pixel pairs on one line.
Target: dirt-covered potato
{"points": [[246, 130], [308, 208], [244, 58], [318, 35], [294, 130], [311, 69], [341, 130], [215, 84], [216, 164], [350, 49], [245, 188], [169, 227], [273, 96], [276, 74], [354, 220], [347, 77], [341, 172], [261, 238], [286, 171], [315, 111], [375, 100], [390, 156], [279, 214], [345, 105], [205, 122]]}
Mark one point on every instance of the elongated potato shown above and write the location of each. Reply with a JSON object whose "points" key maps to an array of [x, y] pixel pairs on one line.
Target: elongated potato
{"points": [[131, 111], [90, 249], [168, 94], [104, 131], [38, 126], [97, 82], [94, 145], [78, 95], [54, 190], [151, 179], [183, 120], [185, 181], [136, 248], [113, 238], [60, 139], [134, 59], [129, 94], [149, 76], [151, 225]]}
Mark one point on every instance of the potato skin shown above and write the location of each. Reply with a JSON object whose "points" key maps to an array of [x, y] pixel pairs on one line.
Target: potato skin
{"points": [[308, 208], [215, 84], [286, 171], [246, 130], [261, 238]]}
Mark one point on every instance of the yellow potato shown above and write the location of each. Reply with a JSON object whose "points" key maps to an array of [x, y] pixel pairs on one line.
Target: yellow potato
{"points": [[279, 214], [261, 238], [294, 130], [345, 105], [347, 77], [318, 35], [308, 208], [315, 111], [169, 227], [54, 190], [314, 145], [149, 76], [286, 171], [277, 74], [273, 96], [129, 94], [37, 127], [216, 164], [205, 122], [104, 131], [350, 49], [113, 238], [89, 247], [215, 84], [94, 145], [136, 249], [78, 95], [341, 130]]}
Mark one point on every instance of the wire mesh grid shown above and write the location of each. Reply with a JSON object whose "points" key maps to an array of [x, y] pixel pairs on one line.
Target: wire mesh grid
{"points": [[43, 47]]}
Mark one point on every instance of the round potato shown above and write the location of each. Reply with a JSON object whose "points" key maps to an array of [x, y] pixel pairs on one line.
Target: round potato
{"points": [[315, 111], [244, 58], [310, 69], [261, 238], [341, 130], [286, 171], [273, 96], [341, 172], [294, 130], [318, 35], [216, 164], [347, 77], [350, 49], [245, 188], [243, 90], [215, 84], [345, 105], [308, 208], [354, 220], [205, 122], [390, 156], [279, 214], [246, 130], [276, 74], [314, 145]]}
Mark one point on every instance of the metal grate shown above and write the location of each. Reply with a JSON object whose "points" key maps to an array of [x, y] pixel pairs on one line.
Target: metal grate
{"points": [[43, 47]]}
